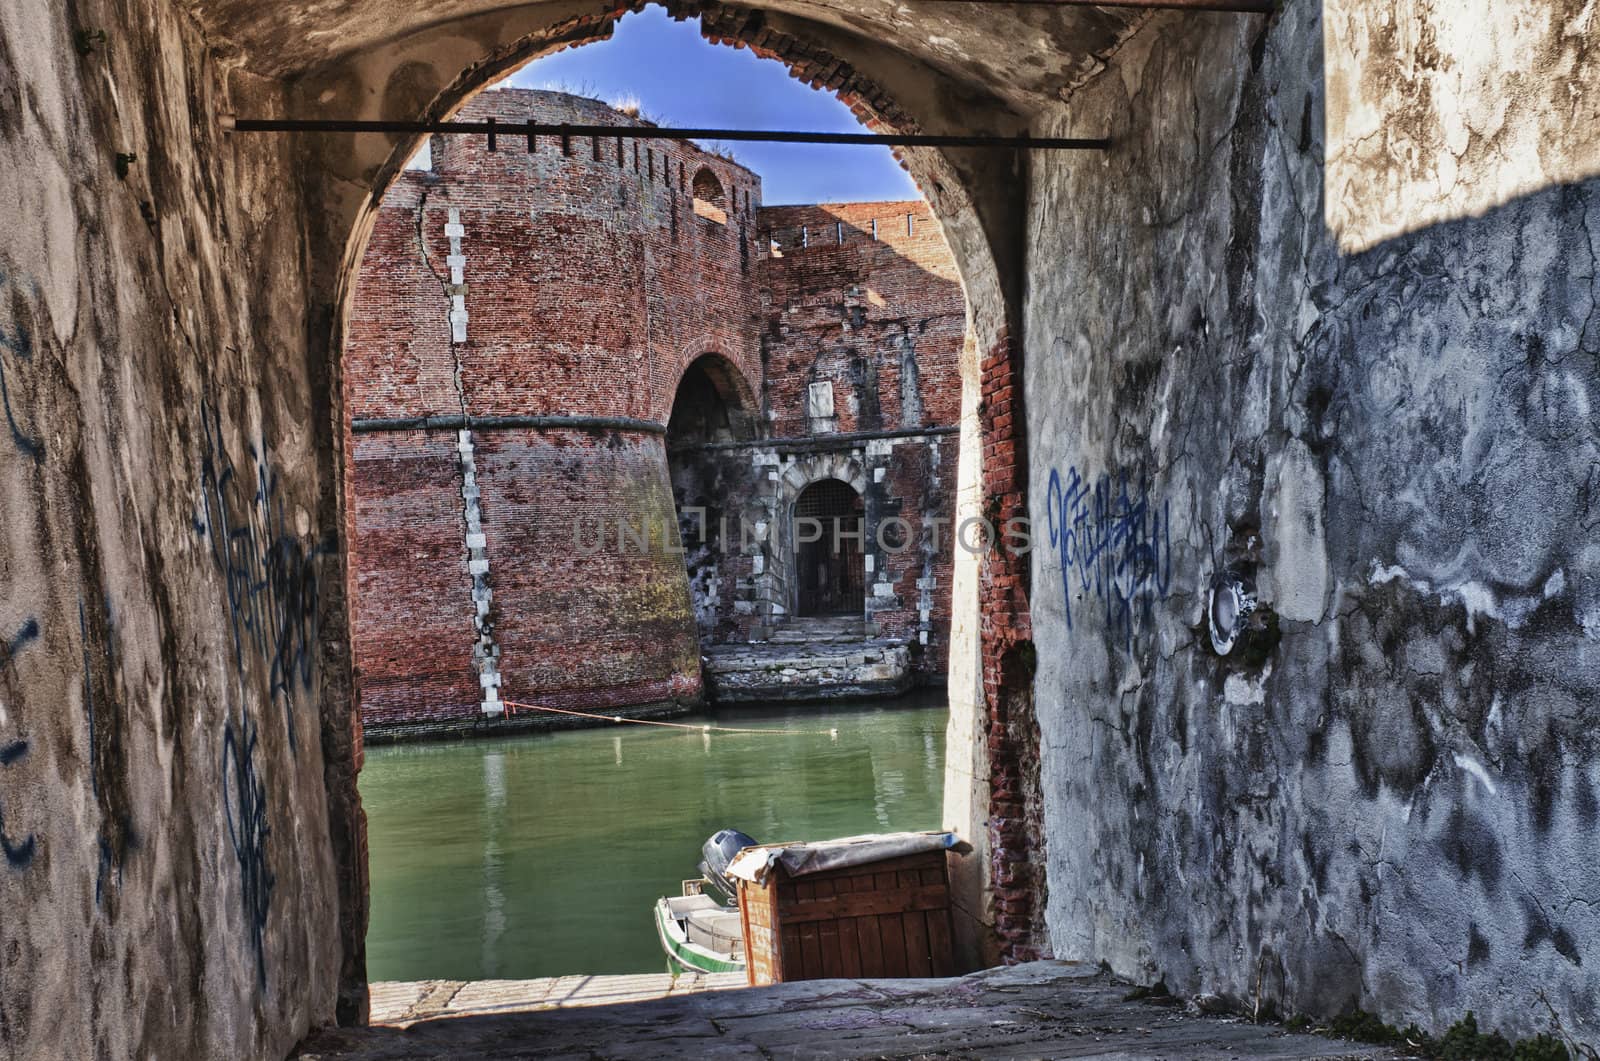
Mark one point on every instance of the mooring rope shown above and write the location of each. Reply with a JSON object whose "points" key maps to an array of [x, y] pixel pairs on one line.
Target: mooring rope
{"points": [[702, 728]]}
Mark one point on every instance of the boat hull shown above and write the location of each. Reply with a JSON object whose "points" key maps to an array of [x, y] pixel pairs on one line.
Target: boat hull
{"points": [[684, 955]]}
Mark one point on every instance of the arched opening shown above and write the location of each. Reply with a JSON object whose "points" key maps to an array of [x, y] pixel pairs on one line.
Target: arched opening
{"points": [[709, 201], [830, 577], [707, 417], [167, 371], [712, 403], [712, 408]]}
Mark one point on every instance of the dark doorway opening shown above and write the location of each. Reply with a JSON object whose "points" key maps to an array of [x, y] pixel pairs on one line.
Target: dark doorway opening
{"points": [[829, 571]]}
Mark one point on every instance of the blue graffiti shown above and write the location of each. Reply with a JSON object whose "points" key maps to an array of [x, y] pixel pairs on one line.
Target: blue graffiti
{"points": [[1113, 542], [18, 853], [269, 574], [20, 344], [245, 805], [24, 637]]}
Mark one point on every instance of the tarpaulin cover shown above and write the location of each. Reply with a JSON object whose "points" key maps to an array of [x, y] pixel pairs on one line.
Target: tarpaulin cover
{"points": [[753, 863]]}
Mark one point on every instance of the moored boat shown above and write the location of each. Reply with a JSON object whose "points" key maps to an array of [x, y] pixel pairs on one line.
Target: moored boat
{"points": [[698, 933]]}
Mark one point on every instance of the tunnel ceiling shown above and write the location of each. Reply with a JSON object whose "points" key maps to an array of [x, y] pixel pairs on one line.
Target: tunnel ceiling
{"points": [[1024, 54]]}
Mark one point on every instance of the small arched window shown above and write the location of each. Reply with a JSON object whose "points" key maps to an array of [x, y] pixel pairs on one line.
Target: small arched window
{"points": [[709, 200]]}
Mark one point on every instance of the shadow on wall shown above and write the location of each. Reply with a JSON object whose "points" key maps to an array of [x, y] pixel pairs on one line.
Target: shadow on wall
{"points": [[1317, 380]]}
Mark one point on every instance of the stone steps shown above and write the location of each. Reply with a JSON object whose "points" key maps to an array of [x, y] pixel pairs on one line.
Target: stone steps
{"points": [[809, 659], [820, 630]]}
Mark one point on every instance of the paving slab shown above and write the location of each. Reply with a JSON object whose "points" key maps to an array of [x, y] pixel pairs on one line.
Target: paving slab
{"points": [[408, 1001], [1034, 1011]]}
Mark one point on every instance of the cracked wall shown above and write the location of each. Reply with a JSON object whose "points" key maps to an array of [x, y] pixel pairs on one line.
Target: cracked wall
{"points": [[170, 583], [1385, 795]]}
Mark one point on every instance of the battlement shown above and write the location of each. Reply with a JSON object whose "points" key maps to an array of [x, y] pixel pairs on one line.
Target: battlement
{"points": [[673, 169], [904, 226]]}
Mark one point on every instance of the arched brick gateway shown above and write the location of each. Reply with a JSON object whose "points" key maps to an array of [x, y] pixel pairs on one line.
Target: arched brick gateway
{"points": [[994, 584]]}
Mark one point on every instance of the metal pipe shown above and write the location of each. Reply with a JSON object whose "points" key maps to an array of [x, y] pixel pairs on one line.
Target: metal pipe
{"points": [[1247, 7], [628, 132], [369, 425]]}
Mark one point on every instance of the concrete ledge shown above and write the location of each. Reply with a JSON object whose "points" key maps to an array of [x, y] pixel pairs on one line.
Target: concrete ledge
{"points": [[403, 1002], [789, 673]]}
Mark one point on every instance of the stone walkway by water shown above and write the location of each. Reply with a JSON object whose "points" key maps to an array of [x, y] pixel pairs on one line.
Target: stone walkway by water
{"points": [[406, 1002], [1039, 1010]]}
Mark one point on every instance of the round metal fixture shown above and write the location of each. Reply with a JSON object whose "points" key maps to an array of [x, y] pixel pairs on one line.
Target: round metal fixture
{"points": [[1227, 611]]}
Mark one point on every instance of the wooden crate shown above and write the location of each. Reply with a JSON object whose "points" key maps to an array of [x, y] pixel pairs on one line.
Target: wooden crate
{"points": [[881, 919]]}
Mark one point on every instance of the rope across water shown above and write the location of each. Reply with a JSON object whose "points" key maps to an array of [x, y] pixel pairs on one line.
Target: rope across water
{"points": [[691, 727]]}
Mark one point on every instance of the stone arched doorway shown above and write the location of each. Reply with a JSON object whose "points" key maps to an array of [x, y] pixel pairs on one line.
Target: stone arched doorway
{"points": [[432, 71], [829, 564]]}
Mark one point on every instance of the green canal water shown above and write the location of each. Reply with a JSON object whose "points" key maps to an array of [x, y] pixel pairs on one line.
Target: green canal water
{"points": [[543, 855]]}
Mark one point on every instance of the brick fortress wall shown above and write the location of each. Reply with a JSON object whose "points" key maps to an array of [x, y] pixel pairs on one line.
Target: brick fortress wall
{"points": [[519, 331], [862, 336]]}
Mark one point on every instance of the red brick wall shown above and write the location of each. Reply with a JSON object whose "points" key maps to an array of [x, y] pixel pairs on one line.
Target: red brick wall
{"points": [[414, 616], [865, 297], [576, 631], [834, 309], [1016, 822], [588, 287]]}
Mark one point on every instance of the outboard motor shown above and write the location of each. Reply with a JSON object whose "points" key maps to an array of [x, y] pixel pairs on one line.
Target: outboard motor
{"points": [[719, 852]]}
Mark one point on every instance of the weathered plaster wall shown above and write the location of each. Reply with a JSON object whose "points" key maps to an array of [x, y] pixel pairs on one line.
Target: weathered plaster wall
{"points": [[169, 568], [1386, 795]]}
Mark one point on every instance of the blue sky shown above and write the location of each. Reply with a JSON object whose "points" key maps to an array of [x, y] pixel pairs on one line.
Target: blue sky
{"points": [[681, 79]]}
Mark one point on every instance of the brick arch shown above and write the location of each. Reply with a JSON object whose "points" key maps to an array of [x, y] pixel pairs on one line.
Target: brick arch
{"points": [[731, 382], [740, 27], [974, 227]]}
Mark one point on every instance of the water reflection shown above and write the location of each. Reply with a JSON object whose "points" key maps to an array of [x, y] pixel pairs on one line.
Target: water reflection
{"points": [[536, 856], [494, 899]]}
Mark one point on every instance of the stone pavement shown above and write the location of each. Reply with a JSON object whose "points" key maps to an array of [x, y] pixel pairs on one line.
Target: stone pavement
{"points": [[403, 1002], [1038, 1010]]}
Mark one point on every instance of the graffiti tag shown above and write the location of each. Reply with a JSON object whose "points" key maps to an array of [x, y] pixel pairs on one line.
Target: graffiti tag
{"points": [[244, 796], [269, 574], [1114, 543], [18, 853]]}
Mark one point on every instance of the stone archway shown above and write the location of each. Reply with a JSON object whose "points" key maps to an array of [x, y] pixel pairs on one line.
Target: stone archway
{"points": [[433, 72], [170, 313], [828, 529]]}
